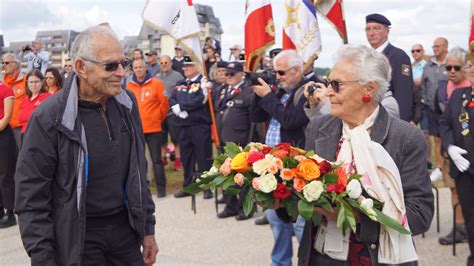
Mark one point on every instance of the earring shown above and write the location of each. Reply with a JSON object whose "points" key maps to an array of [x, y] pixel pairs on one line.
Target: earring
{"points": [[366, 98]]}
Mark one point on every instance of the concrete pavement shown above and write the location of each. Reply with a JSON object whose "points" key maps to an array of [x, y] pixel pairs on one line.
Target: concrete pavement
{"points": [[185, 238]]}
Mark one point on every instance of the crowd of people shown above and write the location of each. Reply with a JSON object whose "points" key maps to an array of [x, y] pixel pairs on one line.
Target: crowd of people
{"points": [[76, 132]]}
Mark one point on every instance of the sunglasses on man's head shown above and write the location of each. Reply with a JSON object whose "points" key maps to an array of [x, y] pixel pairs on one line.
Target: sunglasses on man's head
{"points": [[336, 85], [111, 66], [415, 51], [450, 68]]}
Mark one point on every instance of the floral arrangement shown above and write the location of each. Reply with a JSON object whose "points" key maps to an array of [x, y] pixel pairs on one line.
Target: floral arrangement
{"points": [[294, 178]]}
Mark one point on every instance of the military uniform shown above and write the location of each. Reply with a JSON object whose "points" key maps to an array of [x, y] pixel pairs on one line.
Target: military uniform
{"points": [[195, 136]]}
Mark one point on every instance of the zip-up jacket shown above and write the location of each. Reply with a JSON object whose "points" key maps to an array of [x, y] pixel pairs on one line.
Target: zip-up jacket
{"points": [[52, 177]]}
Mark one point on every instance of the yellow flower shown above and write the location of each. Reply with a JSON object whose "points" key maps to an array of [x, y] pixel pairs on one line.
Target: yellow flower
{"points": [[239, 162]]}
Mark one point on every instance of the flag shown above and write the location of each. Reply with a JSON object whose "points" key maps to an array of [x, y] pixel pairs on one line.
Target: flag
{"points": [[333, 11], [301, 30], [179, 19], [259, 31], [471, 36]]}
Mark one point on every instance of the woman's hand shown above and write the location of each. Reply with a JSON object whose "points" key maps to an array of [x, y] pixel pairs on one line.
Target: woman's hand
{"points": [[318, 95]]}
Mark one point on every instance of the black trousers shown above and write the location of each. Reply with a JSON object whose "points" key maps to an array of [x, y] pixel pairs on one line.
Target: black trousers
{"points": [[465, 189], [8, 154], [154, 142], [195, 145], [111, 241]]}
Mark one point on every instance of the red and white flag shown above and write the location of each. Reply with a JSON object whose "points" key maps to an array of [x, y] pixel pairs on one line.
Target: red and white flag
{"points": [[301, 29], [259, 31], [333, 11], [471, 36], [178, 18]]}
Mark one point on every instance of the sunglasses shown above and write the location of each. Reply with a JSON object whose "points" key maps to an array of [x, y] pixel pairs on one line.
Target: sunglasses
{"points": [[163, 63], [111, 66], [283, 72], [336, 85], [229, 74], [415, 51], [5, 63], [450, 68], [68, 66]]}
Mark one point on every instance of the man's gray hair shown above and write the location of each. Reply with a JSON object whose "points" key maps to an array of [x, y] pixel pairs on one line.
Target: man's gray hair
{"points": [[294, 60], [83, 45], [458, 54], [13, 57], [368, 65]]}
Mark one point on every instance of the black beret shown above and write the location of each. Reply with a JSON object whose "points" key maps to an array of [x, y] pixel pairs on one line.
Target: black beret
{"points": [[221, 64], [378, 19], [235, 67], [188, 60], [274, 52]]}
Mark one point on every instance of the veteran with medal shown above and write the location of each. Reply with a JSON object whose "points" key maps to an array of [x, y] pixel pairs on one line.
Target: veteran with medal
{"points": [[457, 128]]}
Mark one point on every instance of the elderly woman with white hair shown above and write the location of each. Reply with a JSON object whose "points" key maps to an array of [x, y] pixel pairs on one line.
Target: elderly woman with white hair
{"points": [[388, 151]]}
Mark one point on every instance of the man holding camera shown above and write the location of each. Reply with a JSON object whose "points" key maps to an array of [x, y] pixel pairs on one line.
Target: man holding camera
{"points": [[36, 58], [284, 109]]}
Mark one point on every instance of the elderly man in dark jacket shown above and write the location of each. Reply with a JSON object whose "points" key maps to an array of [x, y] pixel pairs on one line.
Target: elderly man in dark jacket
{"points": [[82, 196]]}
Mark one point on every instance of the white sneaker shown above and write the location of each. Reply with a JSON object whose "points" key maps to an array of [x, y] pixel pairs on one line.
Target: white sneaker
{"points": [[436, 175]]}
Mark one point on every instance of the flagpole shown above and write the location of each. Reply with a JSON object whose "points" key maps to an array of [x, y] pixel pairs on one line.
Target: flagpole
{"points": [[215, 134]]}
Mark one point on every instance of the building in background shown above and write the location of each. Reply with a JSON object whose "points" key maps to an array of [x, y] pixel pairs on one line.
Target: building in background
{"points": [[58, 43]]}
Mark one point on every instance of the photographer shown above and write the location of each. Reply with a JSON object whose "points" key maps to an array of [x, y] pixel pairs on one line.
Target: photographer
{"points": [[36, 58], [284, 110]]}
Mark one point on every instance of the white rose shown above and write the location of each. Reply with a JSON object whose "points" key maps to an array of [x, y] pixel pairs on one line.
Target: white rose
{"points": [[267, 183], [354, 189], [213, 170], [260, 167], [367, 205], [313, 190]]}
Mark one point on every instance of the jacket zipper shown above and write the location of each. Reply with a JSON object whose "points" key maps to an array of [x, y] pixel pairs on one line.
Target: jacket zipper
{"points": [[102, 114]]}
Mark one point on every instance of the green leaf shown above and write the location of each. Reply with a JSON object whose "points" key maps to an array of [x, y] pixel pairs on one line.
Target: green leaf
{"points": [[231, 149], [219, 180], [234, 190], [260, 196], [306, 209], [219, 160], [317, 218], [289, 162], [309, 153], [229, 181], [267, 204], [341, 219], [291, 207], [390, 222], [249, 204], [330, 178], [354, 176], [350, 218], [193, 189]]}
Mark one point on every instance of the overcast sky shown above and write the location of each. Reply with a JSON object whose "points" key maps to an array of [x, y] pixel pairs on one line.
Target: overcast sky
{"points": [[416, 21]]}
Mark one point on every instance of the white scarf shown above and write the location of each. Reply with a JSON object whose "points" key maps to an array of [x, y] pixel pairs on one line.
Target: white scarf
{"points": [[381, 180]]}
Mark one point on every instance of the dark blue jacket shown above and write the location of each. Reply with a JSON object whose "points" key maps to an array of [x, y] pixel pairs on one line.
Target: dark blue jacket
{"points": [[401, 83], [191, 98]]}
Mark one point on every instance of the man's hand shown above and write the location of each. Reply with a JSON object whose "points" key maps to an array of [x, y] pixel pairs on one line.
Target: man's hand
{"points": [[318, 95], [150, 249], [262, 89]]}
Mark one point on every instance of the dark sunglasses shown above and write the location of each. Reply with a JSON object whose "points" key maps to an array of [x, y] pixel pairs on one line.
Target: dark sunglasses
{"points": [[336, 85], [111, 66], [450, 68], [229, 74], [163, 63], [68, 66], [5, 63], [415, 50], [283, 72]]}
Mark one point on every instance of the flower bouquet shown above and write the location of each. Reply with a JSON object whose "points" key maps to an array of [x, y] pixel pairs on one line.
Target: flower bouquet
{"points": [[298, 179]]}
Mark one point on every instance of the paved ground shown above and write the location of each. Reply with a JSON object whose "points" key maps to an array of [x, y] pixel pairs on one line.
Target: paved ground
{"points": [[186, 238]]}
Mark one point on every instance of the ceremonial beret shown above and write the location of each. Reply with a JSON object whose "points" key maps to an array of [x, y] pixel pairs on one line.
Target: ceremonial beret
{"points": [[274, 52], [235, 67], [154, 52], [188, 60], [378, 19], [221, 64]]}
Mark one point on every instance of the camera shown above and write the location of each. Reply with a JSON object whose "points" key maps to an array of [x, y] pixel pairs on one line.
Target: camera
{"points": [[268, 75], [26, 48], [311, 89]]}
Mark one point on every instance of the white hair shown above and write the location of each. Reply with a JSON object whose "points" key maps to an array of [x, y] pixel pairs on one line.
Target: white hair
{"points": [[83, 45], [458, 54], [368, 65], [13, 57], [294, 60]]}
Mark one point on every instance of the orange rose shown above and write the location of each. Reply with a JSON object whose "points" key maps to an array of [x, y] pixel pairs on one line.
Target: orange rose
{"points": [[341, 177], [287, 174], [239, 162], [298, 184], [296, 151], [308, 170], [280, 153]]}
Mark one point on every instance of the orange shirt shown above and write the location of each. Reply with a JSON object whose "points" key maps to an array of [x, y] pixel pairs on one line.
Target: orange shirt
{"points": [[152, 103], [17, 83]]}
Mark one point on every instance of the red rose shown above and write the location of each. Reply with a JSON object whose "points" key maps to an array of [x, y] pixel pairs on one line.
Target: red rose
{"points": [[283, 145], [340, 188], [255, 156], [325, 167], [281, 192], [267, 149], [331, 188], [335, 188]]}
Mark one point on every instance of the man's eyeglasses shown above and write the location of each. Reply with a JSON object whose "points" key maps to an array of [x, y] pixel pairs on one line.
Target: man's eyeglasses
{"points": [[163, 63], [111, 66], [67, 65], [283, 72], [5, 63], [230, 74], [336, 85], [449, 68], [415, 51]]}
